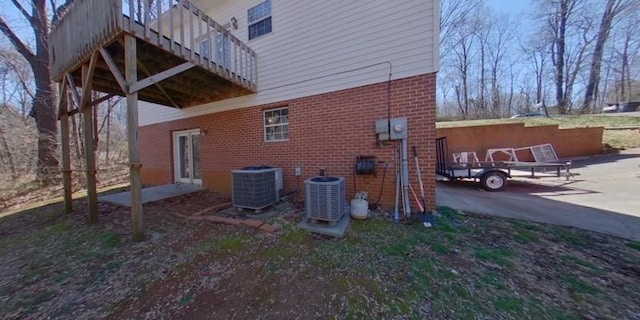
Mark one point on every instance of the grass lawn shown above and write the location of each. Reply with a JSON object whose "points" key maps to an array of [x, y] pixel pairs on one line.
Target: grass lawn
{"points": [[617, 139], [467, 267]]}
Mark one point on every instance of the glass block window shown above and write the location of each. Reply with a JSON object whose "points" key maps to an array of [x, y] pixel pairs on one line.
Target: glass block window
{"points": [[276, 124], [259, 18]]}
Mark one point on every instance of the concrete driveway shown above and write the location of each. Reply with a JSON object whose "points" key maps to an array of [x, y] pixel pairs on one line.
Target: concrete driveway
{"points": [[619, 114], [604, 198]]}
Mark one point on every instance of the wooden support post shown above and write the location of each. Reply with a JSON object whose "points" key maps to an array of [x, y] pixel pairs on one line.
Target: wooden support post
{"points": [[89, 150], [66, 150], [131, 75]]}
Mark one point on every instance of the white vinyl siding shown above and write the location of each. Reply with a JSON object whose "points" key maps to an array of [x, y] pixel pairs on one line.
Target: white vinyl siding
{"points": [[324, 46]]}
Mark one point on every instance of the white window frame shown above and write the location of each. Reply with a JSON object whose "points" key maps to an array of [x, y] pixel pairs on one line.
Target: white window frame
{"points": [[259, 19], [176, 157], [266, 124]]}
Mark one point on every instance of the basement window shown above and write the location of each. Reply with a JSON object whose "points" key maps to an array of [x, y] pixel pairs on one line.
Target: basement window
{"points": [[276, 124], [259, 19]]}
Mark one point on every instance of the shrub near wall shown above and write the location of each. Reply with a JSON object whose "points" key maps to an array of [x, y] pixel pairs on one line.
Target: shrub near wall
{"points": [[325, 131]]}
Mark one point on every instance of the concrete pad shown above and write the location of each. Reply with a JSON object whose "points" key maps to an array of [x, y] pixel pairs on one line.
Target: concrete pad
{"points": [[335, 230], [152, 194], [603, 198]]}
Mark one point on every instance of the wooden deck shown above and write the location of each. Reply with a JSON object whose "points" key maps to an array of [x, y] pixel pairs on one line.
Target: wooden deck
{"points": [[170, 35]]}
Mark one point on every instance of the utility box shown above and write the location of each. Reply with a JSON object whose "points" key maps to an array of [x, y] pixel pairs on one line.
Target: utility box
{"points": [[382, 129], [398, 128]]}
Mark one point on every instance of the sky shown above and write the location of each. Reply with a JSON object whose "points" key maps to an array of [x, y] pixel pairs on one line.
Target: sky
{"points": [[512, 7], [516, 9], [509, 6]]}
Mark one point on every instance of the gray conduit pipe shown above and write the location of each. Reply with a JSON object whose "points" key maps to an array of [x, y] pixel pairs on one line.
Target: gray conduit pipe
{"points": [[405, 181]]}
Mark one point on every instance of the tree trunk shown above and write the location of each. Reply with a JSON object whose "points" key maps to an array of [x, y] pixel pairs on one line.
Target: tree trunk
{"points": [[76, 136], [108, 139], [46, 123], [465, 93], [603, 97], [559, 52], [44, 100], [625, 77], [495, 91], [539, 76], [483, 79], [510, 105], [598, 51]]}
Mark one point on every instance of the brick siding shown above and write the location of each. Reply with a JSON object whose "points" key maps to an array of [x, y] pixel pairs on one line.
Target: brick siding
{"points": [[325, 131]]}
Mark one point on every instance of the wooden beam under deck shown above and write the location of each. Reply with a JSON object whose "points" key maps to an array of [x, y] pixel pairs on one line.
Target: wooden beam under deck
{"points": [[103, 83], [191, 87]]}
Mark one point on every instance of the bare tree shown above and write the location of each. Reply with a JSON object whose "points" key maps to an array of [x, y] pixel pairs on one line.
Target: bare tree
{"points": [[462, 64], [501, 36], [482, 30], [16, 143], [576, 57], [561, 11], [569, 31], [17, 82], [6, 155], [43, 105], [612, 9], [536, 53], [512, 78], [482, 66], [106, 128], [626, 50], [454, 14]]}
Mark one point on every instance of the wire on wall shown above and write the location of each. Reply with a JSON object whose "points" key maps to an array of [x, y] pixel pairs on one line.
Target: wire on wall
{"points": [[339, 73]]}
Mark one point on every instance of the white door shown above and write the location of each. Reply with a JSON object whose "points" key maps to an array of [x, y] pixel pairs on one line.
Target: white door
{"points": [[186, 155]]}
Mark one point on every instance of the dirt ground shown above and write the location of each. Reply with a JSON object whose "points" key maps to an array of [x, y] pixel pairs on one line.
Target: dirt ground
{"points": [[55, 266]]}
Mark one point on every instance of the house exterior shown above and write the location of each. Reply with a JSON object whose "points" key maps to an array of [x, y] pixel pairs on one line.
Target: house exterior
{"points": [[326, 71]]}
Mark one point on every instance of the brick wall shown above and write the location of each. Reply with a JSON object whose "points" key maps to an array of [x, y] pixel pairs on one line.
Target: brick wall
{"points": [[325, 131], [567, 143]]}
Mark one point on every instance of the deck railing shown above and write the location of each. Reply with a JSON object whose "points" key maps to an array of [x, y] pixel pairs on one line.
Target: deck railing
{"points": [[177, 26], [84, 26]]}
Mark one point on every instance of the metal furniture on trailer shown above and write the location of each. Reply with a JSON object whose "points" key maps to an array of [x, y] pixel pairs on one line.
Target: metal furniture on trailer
{"points": [[493, 175]]}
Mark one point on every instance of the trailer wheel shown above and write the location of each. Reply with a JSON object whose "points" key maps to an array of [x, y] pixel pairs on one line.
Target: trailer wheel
{"points": [[493, 181]]}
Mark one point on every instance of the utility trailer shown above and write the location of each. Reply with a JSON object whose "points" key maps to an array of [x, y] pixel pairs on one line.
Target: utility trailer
{"points": [[493, 175]]}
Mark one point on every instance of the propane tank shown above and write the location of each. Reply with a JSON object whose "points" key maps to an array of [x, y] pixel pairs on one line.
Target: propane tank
{"points": [[360, 206]]}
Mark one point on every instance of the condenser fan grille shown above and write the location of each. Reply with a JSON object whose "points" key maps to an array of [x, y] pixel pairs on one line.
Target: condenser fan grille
{"points": [[325, 198], [254, 188]]}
